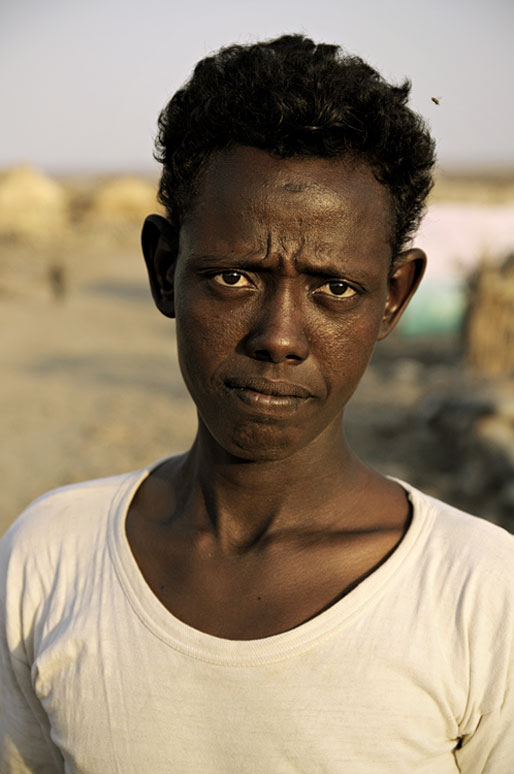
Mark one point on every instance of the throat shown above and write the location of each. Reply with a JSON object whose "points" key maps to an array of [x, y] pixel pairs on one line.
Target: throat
{"points": [[244, 501]]}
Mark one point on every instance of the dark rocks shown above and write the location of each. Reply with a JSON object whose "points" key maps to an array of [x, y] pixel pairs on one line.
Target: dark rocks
{"points": [[421, 415]]}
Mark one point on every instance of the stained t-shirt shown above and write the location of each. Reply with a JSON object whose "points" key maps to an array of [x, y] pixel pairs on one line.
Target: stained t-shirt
{"points": [[412, 671]]}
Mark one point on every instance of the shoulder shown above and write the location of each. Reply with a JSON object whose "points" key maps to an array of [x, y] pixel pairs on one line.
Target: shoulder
{"points": [[463, 560], [71, 519], [466, 575], [462, 536]]}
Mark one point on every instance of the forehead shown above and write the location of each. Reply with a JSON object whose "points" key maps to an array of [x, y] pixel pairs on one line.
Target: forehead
{"points": [[244, 188]]}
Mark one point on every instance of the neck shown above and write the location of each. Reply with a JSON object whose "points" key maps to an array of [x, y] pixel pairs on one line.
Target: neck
{"points": [[240, 502]]}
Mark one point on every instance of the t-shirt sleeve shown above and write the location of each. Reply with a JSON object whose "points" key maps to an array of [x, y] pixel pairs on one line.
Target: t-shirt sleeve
{"points": [[487, 746], [25, 743], [490, 749]]}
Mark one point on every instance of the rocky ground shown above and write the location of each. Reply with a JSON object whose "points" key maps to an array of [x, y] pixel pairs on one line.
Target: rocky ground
{"points": [[91, 387], [420, 414]]}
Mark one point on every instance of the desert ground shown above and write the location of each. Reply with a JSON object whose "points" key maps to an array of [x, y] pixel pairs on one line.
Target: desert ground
{"points": [[91, 384]]}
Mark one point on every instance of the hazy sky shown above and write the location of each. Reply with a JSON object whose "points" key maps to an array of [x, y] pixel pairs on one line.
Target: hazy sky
{"points": [[82, 81]]}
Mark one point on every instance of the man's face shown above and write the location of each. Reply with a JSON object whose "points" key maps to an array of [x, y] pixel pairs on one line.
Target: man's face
{"points": [[280, 293]]}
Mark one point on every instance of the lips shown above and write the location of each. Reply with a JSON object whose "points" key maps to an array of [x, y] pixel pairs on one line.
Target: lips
{"points": [[267, 397], [268, 387]]}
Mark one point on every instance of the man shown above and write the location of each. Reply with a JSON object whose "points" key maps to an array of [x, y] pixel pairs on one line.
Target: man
{"points": [[266, 602]]}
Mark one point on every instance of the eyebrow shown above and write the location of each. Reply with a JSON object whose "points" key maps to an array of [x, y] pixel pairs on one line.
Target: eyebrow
{"points": [[326, 267]]}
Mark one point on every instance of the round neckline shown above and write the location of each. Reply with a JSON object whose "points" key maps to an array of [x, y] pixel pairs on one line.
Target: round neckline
{"points": [[207, 647]]}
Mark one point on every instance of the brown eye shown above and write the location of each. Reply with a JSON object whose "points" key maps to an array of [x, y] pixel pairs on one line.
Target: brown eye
{"points": [[231, 279], [337, 289]]}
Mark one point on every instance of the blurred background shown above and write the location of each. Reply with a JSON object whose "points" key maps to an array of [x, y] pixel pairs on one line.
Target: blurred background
{"points": [[90, 383]]}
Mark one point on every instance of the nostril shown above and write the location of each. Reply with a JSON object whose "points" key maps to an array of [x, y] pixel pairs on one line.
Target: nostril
{"points": [[267, 355], [262, 354]]}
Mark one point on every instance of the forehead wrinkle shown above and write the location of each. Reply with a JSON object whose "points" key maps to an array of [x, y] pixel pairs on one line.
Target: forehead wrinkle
{"points": [[323, 257], [283, 248]]}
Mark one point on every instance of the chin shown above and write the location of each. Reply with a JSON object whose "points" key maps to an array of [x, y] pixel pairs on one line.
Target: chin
{"points": [[260, 455], [262, 443]]}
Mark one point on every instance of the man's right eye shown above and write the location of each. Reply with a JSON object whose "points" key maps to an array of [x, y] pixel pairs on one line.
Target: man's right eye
{"points": [[232, 279]]}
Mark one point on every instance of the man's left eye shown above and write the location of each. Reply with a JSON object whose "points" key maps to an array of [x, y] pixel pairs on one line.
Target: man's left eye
{"points": [[231, 279], [337, 289]]}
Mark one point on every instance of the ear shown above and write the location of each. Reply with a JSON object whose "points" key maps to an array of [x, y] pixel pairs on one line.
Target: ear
{"points": [[408, 269], [159, 240]]}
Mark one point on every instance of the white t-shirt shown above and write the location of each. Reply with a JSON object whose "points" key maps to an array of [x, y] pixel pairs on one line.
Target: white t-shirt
{"points": [[99, 678]]}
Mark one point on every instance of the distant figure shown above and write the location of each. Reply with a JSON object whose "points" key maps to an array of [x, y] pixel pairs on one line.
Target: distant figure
{"points": [[57, 281], [265, 603]]}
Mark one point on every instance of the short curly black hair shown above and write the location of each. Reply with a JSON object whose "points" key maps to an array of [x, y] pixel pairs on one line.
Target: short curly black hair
{"points": [[294, 98]]}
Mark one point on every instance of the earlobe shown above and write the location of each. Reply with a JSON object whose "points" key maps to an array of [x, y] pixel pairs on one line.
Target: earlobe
{"points": [[407, 273], [159, 241]]}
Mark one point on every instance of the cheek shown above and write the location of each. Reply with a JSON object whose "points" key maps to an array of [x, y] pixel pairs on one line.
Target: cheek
{"points": [[204, 335], [203, 320], [347, 347]]}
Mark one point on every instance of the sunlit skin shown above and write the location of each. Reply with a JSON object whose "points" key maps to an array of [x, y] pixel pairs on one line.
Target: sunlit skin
{"points": [[281, 286]]}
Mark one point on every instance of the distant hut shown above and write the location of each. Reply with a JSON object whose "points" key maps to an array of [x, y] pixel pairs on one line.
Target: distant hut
{"points": [[122, 202], [490, 319], [33, 207]]}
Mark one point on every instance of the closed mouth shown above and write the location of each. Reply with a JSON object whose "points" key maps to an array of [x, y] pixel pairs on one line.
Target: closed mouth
{"points": [[268, 387]]}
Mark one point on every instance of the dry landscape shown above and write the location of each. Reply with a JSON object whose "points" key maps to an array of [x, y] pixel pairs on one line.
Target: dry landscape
{"points": [[91, 385]]}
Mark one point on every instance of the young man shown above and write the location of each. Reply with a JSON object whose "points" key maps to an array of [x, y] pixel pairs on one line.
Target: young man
{"points": [[266, 602]]}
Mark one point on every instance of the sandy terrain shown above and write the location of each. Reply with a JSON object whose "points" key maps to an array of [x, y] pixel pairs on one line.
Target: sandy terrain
{"points": [[90, 385]]}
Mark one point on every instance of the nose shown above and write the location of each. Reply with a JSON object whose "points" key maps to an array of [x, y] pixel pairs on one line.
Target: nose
{"points": [[278, 330]]}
